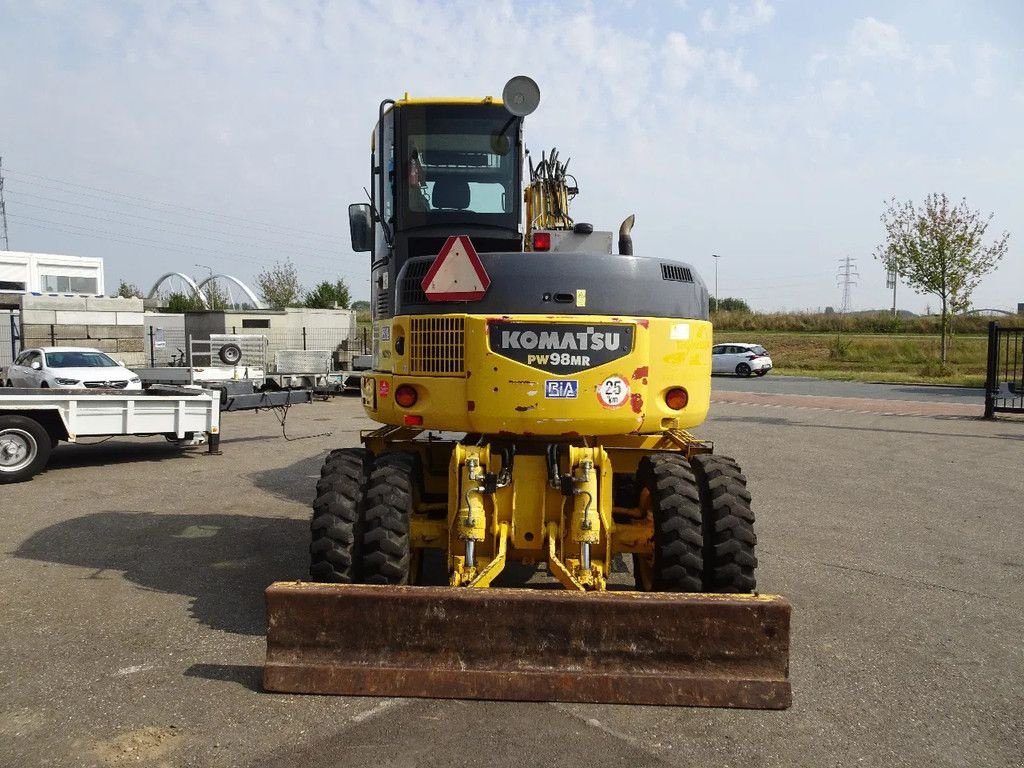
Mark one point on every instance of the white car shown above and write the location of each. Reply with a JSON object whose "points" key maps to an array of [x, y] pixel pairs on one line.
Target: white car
{"points": [[741, 359], [69, 368]]}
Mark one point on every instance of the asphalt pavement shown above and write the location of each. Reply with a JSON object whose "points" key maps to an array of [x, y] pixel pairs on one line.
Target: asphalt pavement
{"points": [[132, 626], [774, 384]]}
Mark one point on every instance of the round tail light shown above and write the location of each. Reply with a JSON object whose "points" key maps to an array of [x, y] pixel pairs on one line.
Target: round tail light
{"points": [[406, 396], [677, 398]]}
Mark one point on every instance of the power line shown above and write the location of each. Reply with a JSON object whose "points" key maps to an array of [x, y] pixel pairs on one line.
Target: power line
{"points": [[3, 208], [242, 243], [847, 279], [145, 202], [99, 234]]}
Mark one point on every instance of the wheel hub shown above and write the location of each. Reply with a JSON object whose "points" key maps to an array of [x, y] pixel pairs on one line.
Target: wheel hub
{"points": [[15, 451]]}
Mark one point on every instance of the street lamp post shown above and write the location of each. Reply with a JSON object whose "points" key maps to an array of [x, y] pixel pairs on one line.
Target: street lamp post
{"points": [[716, 257]]}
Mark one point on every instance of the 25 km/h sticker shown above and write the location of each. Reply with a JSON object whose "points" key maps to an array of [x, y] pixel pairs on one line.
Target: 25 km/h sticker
{"points": [[613, 391]]}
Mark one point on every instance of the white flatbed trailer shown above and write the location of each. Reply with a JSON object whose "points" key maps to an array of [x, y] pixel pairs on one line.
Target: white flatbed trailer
{"points": [[34, 421]]}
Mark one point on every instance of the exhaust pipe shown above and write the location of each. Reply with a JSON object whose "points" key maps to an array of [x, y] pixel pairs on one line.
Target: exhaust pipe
{"points": [[625, 238]]}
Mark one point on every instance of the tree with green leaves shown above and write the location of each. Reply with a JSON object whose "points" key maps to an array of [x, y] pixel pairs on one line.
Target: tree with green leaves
{"points": [[939, 249], [328, 295], [728, 305], [216, 297], [180, 302], [279, 285], [128, 290]]}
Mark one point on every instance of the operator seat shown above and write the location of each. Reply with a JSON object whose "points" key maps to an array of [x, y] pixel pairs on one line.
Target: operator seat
{"points": [[450, 194]]}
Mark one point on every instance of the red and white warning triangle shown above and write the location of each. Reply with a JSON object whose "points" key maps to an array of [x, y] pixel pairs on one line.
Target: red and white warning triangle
{"points": [[457, 273]]}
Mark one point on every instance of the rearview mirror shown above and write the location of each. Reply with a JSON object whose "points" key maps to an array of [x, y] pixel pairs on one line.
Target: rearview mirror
{"points": [[360, 224], [36, 365]]}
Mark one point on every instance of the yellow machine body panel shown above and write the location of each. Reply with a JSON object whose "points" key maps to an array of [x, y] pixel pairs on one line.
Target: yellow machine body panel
{"points": [[467, 382]]}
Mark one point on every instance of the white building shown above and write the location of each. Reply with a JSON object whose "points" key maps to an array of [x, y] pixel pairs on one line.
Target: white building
{"points": [[51, 273]]}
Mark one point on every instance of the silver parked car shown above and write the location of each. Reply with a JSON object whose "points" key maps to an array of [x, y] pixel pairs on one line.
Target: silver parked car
{"points": [[740, 359], [69, 368]]}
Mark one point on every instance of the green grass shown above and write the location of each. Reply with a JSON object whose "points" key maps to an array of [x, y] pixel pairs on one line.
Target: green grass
{"points": [[893, 358]]}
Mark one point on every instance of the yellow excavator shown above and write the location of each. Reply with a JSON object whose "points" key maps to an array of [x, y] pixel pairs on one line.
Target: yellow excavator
{"points": [[535, 390]]}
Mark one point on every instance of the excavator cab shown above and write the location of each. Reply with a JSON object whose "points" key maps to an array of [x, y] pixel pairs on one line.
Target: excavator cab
{"points": [[535, 392]]}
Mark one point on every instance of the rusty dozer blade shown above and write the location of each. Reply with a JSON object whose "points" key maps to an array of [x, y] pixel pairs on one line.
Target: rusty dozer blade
{"points": [[529, 645]]}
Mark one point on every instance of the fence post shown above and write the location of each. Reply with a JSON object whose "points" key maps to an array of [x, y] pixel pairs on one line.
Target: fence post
{"points": [[14, 338], [53, 336], [364, 341], [152, 347], [990, 374], [303, 338]]}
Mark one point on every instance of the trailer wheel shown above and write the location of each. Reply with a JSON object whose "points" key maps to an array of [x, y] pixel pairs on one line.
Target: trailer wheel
{"points": [[230, 354], [386, 549], [728, 521], [336, 516], [25, 448], [668, 489]]}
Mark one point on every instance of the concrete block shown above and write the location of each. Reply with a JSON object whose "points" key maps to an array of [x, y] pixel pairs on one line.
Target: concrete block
{"points": [[86, 318], [103, 345], [102, 304], [130, 345], [69, 303], [38, 316], [116, 332], [61, 332], [131, 318], [35, 335]]}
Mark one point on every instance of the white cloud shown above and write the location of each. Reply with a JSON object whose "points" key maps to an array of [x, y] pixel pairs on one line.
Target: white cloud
{"points": [[682, 60], [841, 96], [729, 67], [985, 57], [737, 20], [874, 39]]}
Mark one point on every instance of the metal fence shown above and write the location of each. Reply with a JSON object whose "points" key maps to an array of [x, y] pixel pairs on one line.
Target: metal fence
{"points": [[10, 340], [1004, 383], [172, 347]]}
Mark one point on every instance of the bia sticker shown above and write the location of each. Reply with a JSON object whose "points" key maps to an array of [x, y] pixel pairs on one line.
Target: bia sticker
{"points": [[561, 389], [613, 391], [383, 388]]}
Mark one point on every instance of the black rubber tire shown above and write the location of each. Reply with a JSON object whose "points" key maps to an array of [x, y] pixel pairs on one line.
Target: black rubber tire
{"points": [[728, 525], [337, 510], [386, 547], [8, 384], [44, 385], [230, 354], [762, 372], [38, 440], [675, 507], [743, 370]]}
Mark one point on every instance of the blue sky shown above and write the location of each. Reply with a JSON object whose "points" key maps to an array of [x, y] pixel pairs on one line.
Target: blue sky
{"points": [[161, 135]]}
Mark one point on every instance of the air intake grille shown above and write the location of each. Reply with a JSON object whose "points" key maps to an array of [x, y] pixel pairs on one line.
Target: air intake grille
{"points": [[437, 346], [410, 291], [677, 273]]}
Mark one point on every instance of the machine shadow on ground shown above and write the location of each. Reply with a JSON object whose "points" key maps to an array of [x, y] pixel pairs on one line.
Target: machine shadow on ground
{"points": [[295, 482], [223, 562], [104, 454]]}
